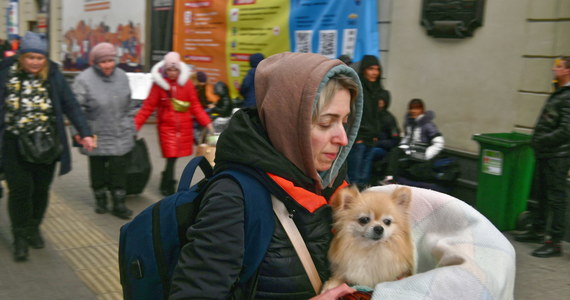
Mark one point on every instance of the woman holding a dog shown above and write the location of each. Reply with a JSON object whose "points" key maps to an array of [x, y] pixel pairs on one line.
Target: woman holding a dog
{"points": [[295, 142]]}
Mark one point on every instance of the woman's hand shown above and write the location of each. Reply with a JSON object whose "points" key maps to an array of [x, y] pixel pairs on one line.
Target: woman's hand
{"points": [[335, 293], [88, 143]]}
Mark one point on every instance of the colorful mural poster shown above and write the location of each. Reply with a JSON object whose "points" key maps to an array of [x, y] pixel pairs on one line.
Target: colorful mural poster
{"points": [[86, 23], [218, 37]]}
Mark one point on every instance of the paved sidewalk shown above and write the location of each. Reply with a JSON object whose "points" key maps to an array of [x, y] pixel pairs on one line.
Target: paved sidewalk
{"points": [[80, 258]]}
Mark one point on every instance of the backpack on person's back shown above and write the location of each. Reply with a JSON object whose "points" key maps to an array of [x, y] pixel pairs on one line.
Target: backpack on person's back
{"points": [[150, 244]]}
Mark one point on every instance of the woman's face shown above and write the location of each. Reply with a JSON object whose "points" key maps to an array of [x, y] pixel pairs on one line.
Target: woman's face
{"points": [[33, 63], [328, 133], [107, 66], [172, 73]]}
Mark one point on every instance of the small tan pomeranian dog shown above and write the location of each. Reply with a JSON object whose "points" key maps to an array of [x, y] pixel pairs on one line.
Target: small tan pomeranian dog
{"points": [[372, 238]]}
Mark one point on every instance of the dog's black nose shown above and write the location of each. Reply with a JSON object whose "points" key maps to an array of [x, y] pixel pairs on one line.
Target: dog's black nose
{"points": [[378, 230]]}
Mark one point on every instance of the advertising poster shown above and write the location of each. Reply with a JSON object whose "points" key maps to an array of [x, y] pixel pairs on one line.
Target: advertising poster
{"points": [[162, 16], [200, 36], [218, 37], [86, 23], [254, 27]]}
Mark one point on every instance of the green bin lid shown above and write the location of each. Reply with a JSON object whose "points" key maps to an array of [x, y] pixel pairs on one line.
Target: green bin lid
{"points": [[507, 140]]}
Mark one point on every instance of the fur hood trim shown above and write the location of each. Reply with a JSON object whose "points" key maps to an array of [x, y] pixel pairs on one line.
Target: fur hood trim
{"points": [[162, 82]]}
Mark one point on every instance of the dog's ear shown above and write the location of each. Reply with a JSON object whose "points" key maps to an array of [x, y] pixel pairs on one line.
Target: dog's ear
{"points": [[402, 196], [344, 197]]}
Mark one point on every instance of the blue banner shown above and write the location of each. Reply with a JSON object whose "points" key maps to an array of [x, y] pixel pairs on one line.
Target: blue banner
{"points": [[334, 28]]}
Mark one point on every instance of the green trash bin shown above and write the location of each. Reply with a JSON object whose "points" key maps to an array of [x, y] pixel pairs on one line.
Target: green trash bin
{"points": [[506, 169]]}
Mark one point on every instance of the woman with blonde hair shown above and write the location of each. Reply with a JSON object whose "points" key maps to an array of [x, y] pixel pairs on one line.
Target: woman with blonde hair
{"points": [[34, 98]]}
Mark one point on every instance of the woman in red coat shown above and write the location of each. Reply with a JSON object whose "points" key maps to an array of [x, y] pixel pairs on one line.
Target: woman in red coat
{"points": [[175, 98]]}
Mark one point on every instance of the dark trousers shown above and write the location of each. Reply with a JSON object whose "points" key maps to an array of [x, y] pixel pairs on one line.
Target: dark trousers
{"points": [[397, 161], [108, 172], [358, 163], [169, 168], [28, 186], [551, 193]]}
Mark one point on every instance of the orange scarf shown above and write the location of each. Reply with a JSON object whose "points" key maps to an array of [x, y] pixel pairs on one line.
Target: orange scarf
{"points": [[307, 199]]}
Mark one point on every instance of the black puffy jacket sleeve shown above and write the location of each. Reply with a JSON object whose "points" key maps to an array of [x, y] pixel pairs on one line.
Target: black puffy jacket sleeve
{"points": [[210, 263]]}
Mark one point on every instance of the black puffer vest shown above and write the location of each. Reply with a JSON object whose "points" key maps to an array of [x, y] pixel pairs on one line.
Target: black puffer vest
{"points": [[281, 274]]}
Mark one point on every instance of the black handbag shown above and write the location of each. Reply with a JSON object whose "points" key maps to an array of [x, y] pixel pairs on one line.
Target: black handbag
{"points": [[139, 168], [40, 147]]}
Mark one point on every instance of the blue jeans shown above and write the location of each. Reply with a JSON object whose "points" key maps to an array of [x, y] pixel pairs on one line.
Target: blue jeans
{"points": [[360, 162]]}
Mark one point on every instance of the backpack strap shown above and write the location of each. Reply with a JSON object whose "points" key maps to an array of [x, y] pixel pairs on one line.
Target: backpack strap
{"points": [[259, 222], [190, 169]]}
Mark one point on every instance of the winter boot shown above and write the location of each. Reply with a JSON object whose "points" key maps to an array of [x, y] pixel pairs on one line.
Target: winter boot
{"points": [[529, 236], [166, 185], [549, 249], [20, 245], [119, 208], [100, 201], [35, 239]]}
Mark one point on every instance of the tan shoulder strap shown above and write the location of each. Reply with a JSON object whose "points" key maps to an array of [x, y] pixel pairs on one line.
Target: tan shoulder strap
{"points": [[298, 243]]}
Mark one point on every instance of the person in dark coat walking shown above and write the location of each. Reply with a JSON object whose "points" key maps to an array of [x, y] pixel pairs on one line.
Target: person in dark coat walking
{"points": [[551, 143], [34, 97], [247, 88], [297, 140]]}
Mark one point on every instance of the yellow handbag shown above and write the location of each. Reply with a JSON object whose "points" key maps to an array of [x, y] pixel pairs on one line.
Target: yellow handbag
{"points": [[179, 105]]}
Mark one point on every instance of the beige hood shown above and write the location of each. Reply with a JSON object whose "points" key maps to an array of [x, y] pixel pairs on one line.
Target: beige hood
{"points": [[287, 86]]}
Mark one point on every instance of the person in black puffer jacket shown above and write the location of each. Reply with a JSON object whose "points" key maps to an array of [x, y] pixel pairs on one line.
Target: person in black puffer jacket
{"points": [[361, 157], [297, 140], [551, 142]]}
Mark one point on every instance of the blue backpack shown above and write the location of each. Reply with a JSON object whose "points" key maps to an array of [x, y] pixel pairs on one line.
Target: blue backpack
{"points": [[150, 244]]}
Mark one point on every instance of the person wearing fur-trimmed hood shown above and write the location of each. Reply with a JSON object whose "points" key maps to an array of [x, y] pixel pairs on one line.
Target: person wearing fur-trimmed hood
{"points": [[174, 96]]}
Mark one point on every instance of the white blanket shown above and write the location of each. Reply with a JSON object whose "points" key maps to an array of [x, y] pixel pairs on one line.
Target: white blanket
{"points": [[459, 253]]}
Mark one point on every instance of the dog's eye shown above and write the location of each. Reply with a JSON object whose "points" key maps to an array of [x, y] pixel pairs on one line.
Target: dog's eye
{"points": [[387, 222], [363, 220]]}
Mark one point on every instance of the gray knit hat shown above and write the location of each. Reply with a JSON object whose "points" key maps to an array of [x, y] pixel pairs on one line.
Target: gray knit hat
{"points": [[34, 42]]}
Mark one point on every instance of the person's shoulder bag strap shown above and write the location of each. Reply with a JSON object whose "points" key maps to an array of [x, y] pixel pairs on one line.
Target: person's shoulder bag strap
{"points": [[298, 243]]}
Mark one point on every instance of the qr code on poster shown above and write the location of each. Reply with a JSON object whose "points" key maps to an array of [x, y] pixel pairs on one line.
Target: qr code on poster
{"points": [[327, 43], [303, 41]]}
